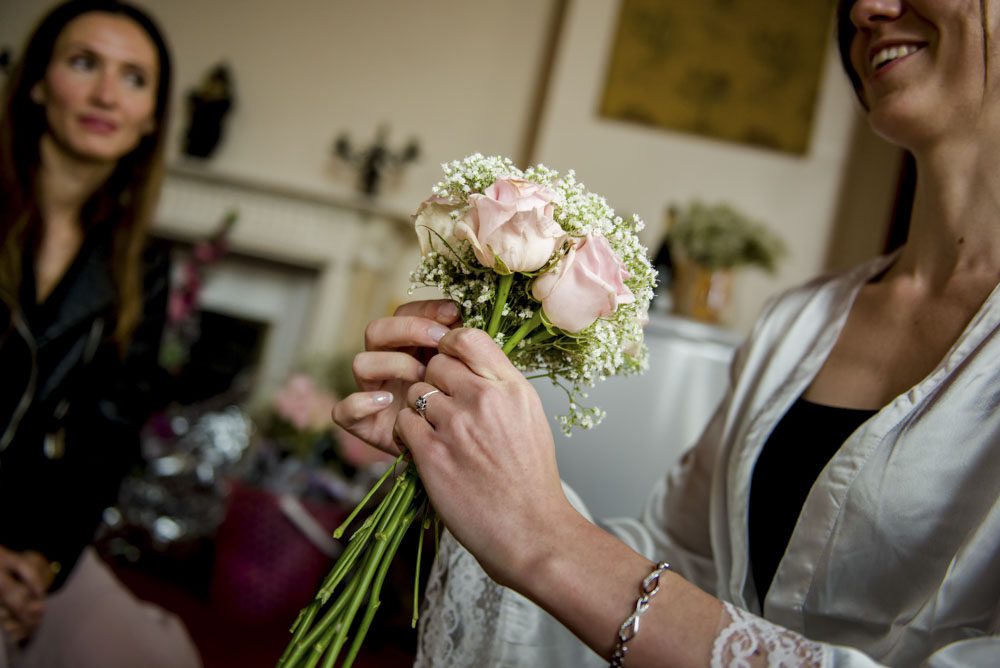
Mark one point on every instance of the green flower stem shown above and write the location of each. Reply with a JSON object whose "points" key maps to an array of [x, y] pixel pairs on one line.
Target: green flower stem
{"points": [[522, 331], [340, 570], [299, 628], [357, 543], [416, 579], [376, 588], [332, 623], [359, 637], [317, 638], [541, 336], [391, 505], [330, 657], [321, 646], [371, 563], [503, 289], [357, 509]]}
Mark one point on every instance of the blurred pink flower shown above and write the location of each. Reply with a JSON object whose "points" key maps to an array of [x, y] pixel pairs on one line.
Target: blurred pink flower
{"points": [[303, 404], [359, 454]]}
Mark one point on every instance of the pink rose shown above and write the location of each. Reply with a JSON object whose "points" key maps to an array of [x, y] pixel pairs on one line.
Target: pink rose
{"points": [[587, 284], [511, 227], [435, 227]]}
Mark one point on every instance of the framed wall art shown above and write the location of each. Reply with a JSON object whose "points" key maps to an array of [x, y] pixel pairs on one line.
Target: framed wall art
{"points": [[744, 71]]}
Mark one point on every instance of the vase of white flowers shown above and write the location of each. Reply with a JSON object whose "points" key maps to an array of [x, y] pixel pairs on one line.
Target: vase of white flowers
{"points": [[707, 243]]}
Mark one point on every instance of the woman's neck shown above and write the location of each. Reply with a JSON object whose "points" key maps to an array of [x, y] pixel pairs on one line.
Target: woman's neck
{"points": [[65, 183], [955, 223]]}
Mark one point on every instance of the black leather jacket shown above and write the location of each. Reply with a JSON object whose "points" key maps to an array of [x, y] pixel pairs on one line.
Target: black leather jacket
{"points": [[71, 406]]}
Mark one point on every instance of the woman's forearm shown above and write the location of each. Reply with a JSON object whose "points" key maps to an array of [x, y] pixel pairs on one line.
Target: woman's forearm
{"points": [[589, 580]]}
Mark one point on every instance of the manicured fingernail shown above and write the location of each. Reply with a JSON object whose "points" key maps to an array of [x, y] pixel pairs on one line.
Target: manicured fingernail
{"points": [[382, 398], [436, 332], [448, 310]]}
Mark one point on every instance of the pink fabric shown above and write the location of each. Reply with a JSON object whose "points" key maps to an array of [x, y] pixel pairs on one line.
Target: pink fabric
{"points": [[266, 570], [95, 622]]}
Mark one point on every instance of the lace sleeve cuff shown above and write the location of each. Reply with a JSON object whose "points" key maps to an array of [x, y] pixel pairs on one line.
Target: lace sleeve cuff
{"points": [[747, 641]]}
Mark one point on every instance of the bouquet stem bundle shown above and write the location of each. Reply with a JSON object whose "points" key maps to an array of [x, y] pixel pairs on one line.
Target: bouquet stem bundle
{"points": [[323, 628]]}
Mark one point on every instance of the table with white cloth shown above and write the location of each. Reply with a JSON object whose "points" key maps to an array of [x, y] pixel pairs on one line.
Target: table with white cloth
{"points": [[651, 419]]}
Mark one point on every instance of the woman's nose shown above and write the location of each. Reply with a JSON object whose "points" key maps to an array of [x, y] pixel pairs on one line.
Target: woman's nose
{"points": [[105, 90], [867, 13]]}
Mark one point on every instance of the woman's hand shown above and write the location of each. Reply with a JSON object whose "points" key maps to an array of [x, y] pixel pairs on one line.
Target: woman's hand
{"points": [[24, 579], [396, 351], [485, 454]]}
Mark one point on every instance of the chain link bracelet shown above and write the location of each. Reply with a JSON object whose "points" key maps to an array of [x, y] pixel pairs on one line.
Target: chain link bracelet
{"points": [[630, 627]]}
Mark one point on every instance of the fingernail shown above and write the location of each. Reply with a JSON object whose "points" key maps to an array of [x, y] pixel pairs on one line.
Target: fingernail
{"points": [[421, 371], [436, 332], [382, 398], [448, 310]]}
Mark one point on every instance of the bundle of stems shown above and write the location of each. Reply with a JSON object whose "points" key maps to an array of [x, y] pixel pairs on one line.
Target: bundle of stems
{"points": [[323, 628]]}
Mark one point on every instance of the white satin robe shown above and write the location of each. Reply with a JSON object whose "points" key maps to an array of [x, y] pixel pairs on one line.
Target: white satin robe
{"points": [[895, 559]]}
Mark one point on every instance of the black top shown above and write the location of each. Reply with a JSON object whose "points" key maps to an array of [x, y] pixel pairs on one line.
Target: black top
{"points": [[794, 455], [76, 435]]}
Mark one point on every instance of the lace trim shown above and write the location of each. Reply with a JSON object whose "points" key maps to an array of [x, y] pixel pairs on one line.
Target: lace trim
{"points": [[459, 611], [748, 641]]}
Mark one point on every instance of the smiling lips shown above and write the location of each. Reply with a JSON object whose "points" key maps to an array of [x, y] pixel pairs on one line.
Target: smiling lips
{"points": [[888, 54], [98, 125]]}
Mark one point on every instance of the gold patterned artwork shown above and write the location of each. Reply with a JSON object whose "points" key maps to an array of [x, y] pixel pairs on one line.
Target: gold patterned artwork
{"points": [[740, 70]]}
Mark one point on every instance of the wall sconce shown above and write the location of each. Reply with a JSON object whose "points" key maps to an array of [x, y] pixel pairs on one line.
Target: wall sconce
{"points": [[373, 162], [208, 105]]}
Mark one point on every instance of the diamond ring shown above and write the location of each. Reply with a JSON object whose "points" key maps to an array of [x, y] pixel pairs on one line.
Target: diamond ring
{"points": [[421, 403]]}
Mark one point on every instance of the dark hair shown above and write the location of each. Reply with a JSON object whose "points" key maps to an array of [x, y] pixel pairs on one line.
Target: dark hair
{"points": [[845, 35], [127, 199]]}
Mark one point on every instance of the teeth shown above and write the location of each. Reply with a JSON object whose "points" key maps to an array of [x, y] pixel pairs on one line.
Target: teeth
{"points": [[892, 53]]}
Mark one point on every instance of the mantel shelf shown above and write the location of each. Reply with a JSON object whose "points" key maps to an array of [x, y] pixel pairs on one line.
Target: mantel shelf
{"points": [[359, 205]]}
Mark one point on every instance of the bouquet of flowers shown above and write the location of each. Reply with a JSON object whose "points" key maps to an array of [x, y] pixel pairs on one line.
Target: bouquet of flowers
{"points": [[559, 281]]}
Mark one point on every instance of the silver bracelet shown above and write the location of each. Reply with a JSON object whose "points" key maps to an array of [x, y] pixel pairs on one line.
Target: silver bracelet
{"points": [[630, 627]]}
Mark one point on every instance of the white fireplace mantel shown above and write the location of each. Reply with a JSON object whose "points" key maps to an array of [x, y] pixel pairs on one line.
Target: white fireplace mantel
{"points": [[337, 239]]}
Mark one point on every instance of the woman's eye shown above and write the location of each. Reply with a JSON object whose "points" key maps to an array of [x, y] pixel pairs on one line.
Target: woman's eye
{"points": [[135, 79], [82, 61]]}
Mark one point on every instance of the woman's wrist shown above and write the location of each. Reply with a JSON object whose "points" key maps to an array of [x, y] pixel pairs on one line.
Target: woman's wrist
{"points": [[536, 550]]}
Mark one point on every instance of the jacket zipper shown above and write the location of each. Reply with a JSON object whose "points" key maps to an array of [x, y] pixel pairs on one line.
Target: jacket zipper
{"points": [[29, 392]]}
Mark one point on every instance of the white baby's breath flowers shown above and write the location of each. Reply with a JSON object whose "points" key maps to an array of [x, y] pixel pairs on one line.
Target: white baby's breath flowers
{"points": [[609, 346]]}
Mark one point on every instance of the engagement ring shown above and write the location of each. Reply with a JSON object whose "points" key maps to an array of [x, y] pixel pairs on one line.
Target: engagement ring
{"points": [[421, 403]]}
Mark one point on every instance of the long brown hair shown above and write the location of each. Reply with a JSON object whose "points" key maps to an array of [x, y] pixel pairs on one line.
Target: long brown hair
{"points": [[126, 201]]}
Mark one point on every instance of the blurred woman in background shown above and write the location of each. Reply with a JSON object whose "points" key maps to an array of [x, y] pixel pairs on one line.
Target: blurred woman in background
{"points": [[81, 312]]}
